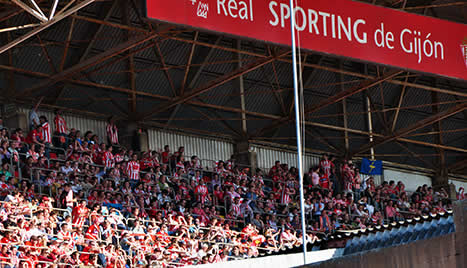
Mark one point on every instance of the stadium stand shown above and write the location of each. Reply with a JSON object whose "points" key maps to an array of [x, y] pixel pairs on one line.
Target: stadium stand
{"points": [[70, 200]]}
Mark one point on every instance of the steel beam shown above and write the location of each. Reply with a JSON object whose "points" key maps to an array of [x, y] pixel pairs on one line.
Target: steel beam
{"points": [[417, 156], [223, 122], [420, 124], [46, 25], [438, 127], [97, 32], [37, 13], [354, 90], [458, 165], [9, 14], [188, 64], [90, 62], [255, 54], [194, 78], [67, 44], [213, 84], [333, 99], [225, 108], [399, 104], [131, 62], [344, 111], [241, 86]]}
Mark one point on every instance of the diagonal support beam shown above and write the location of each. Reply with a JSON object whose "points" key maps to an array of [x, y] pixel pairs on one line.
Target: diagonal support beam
{"points": [[399, 103], [90, 62], [222, 122], [352, 91], [213, 84], [458, 165], [37, 13], [197, 72], [188, 64], [323, 140], [333, 99], [97, 33], [394, 81], [145, 94], [420, 124], [46, 25]]}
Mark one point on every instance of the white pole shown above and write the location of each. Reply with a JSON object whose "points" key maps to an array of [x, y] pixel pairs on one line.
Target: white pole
{"points": [[298, 128], [370, 127]]}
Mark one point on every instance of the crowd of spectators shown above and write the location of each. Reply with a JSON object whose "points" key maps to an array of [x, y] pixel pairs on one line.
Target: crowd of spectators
{"points": [[71, 200]]}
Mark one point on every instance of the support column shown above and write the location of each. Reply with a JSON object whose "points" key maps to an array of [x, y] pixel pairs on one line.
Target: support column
{"points": [[244, 157], [242, 91], [460, 221], [441, 181], [370, 127], [344, 113], [128, 135], [15, 119]]}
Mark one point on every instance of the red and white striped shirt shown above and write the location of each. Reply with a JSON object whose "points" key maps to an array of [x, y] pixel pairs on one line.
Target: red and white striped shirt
{"points": [[46, 133], [132, 170], [237, 210], [109, 159], [325, 166], [285, 197], [118, 158], [60, 124], [79, 216], [201, 192], [112, 133]]}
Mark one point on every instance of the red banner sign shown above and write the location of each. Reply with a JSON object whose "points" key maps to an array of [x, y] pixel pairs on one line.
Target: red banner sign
{"points": [[340, 27]]}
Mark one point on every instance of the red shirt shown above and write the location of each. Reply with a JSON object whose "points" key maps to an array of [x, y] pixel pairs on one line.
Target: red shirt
{"points": [[146, 163], [324, 181], [34, 134], [165, 157]]}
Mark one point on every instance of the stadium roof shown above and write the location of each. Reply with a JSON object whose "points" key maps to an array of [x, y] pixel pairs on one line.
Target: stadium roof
{"points": [[108, 59]]}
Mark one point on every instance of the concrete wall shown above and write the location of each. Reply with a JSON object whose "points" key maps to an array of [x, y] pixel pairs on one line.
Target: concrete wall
{"points": [[460, 220], [412, 180], [448, 251], [430, 253], [277, 261]]}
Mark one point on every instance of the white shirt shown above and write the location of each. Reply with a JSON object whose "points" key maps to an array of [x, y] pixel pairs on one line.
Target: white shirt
{"points": [[33, 118], [67, 170]]}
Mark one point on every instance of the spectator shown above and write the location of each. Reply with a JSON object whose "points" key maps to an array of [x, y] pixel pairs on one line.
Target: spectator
{"points": [[112, 132], [33, 117]]}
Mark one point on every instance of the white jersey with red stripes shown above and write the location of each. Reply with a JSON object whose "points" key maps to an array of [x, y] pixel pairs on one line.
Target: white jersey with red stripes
{"points": [[325, 166], [79, 216], [112, 133], [285, 196], [132, 170], [119, 158], [46, 133], [237, 209], [60, 124], [109, 159], [201, 192]]}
